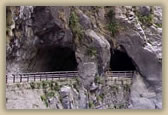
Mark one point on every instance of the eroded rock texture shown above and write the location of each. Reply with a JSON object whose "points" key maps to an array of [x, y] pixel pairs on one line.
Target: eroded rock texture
{"points": [[44, 38]]}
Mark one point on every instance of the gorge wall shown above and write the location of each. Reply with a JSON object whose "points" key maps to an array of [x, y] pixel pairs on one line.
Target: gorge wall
{"points": [[84, 38]]}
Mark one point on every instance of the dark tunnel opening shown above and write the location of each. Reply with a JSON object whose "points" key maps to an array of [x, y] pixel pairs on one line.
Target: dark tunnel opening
{"points": [[56, 59], [120, 61]]}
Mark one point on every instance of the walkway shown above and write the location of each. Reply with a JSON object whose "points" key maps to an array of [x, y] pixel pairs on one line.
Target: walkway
{"points": [[58, 75]]}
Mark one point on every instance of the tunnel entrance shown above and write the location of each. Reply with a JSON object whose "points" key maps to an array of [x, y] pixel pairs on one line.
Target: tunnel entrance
{"points": [[120, 61], [55, 59]]}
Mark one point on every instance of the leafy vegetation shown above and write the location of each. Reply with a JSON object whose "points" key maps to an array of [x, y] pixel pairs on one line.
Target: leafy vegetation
{"points": [[76, 84], [99, 80], [44, 84], [38, 85], [126, 87], [91, 51], [102, 95], [32, 85], [113, 25], [44, 99], [114, 88], [75, 26], [91, 104], [158, 25], [145, 19], [50, 88]]}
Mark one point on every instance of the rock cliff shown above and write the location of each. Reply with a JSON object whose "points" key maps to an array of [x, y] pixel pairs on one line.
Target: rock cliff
{"points": [[84, 38]]}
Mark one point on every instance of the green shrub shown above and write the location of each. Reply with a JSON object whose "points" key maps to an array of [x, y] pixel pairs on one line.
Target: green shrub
{"points": [[44, 99], [99, 98], [32, 85], [91, 51], [126, 87], [102, 95], [114, 88], [91, 105], [111, 14], [113, 28], [44, 84], [50, 94], [75, 26], [113, 25], [145, 19], [51, 85], [97, 79], [56, 87], [158, 25], [76, 85], [38, 85]]}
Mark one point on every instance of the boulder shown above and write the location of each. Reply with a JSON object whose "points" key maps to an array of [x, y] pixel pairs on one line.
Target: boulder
{"points": [[68, 98]]}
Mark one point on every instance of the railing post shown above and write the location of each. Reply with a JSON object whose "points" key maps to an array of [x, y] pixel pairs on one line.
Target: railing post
{"points": [[34, 78], [122, 82], [46, 78], [27, 78], [13, 78], [20, 78], [40, 77], [52, 77]]}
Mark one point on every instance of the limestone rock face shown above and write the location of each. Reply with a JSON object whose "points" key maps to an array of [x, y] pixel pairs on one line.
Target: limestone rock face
{"points": [[103, 50], [50, 25], [143, 45], [37, 33], [94, 49], [147, 62]]}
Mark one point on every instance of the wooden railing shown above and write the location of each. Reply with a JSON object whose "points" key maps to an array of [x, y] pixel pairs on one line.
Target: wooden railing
{"points": [[39, 76]]}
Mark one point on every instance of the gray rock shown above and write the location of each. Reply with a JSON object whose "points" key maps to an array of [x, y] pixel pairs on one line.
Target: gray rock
{"points": [[146, 62], [84, 20], [87, 73], [141, 97], [143, 103], [37, 28], [54, 103], [68, 98], [144, 10], [157, 14], [82, 98], [103, 50], [50, 24], [93, 87]]}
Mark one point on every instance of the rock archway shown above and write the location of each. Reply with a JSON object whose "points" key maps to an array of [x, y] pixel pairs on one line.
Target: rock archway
{"points": [[120, 61], [55, 59]]}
